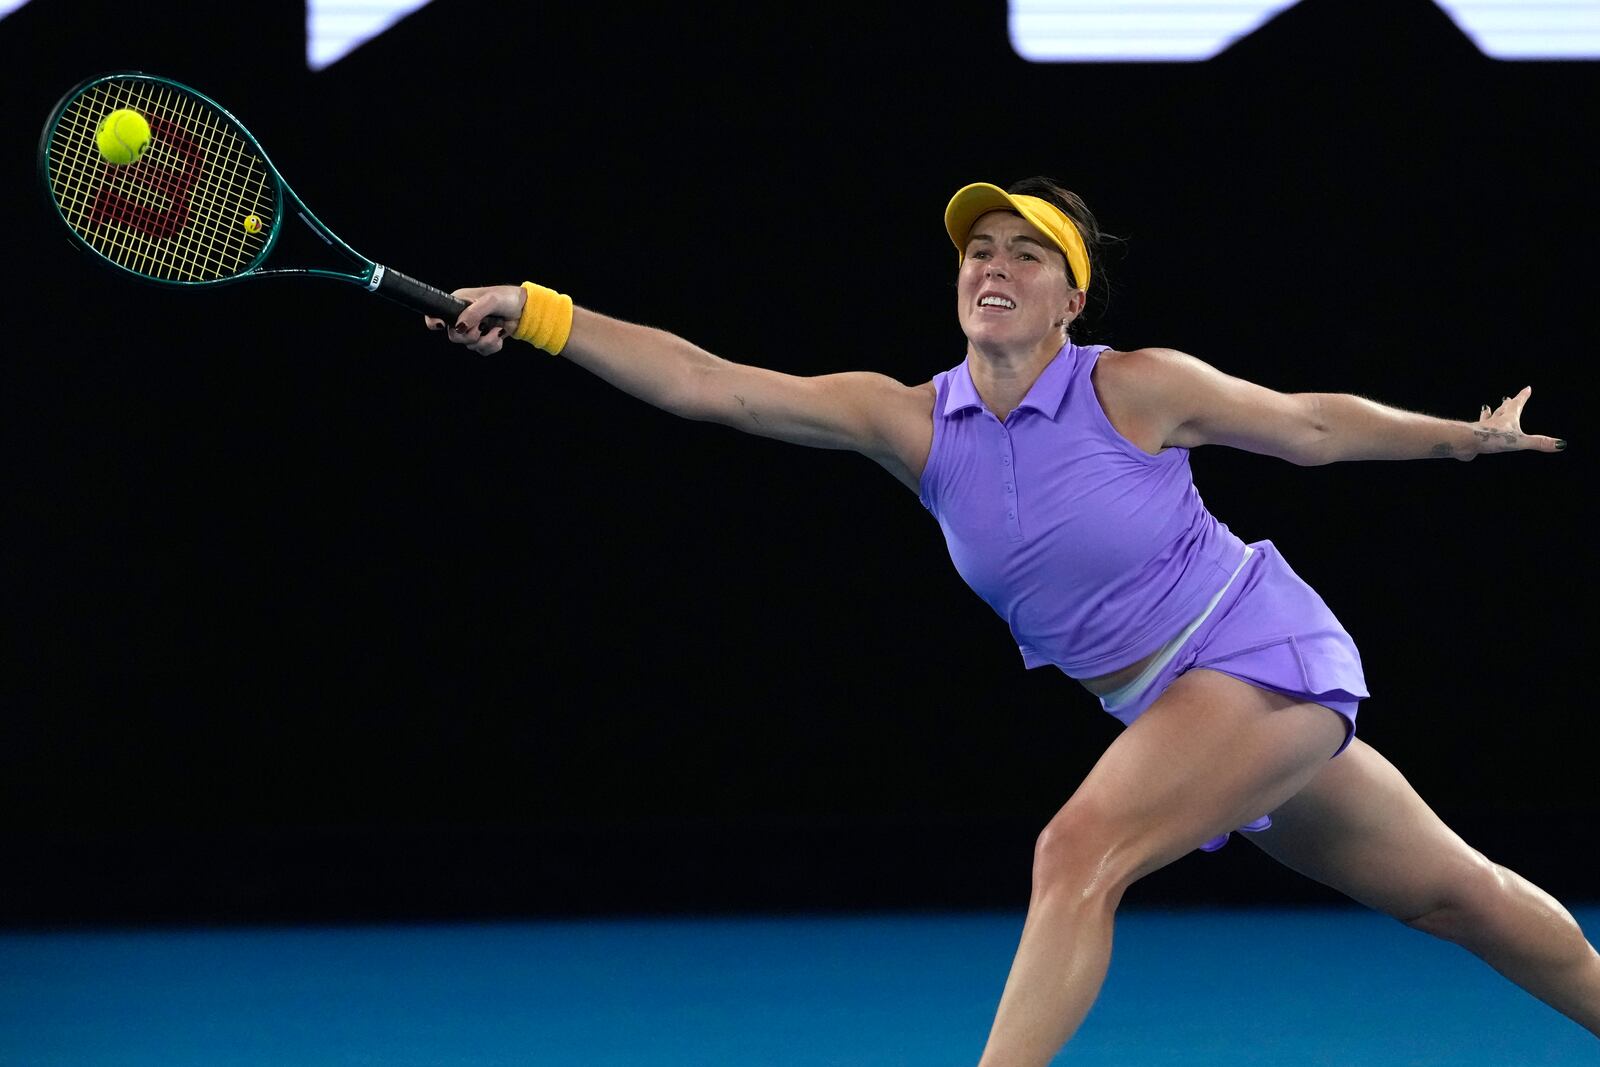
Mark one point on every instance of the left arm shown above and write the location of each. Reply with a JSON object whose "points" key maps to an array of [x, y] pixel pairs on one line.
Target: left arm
{"points": [[1188, 403]]}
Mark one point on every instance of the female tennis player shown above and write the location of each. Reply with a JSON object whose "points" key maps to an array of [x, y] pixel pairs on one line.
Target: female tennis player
{"points": [[1060, 476]]}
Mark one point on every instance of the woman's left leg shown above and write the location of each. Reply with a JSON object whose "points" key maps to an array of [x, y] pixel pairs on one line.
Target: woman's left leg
{"points": [[1361, 828], [1211, 754]]}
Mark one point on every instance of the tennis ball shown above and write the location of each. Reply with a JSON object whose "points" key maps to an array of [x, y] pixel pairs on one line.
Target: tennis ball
{"points": [[123, 136]]}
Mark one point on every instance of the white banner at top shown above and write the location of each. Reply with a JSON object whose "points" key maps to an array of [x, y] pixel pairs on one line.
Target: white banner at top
{"points": [[1177, 31]]}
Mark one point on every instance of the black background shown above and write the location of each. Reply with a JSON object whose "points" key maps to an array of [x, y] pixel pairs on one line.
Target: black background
{"points": [[310, 615]]}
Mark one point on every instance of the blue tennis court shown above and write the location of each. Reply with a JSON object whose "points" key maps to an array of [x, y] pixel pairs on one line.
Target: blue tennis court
{"points": [[1306, 987]]}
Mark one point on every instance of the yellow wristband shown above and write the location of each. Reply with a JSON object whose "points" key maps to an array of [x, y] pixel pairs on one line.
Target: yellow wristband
{"points": [[546, 319]]}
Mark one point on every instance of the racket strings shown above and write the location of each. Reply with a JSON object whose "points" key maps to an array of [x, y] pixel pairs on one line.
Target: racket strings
{"points": [[215, 186], [209, 163], [136, 212], [178, 214]]}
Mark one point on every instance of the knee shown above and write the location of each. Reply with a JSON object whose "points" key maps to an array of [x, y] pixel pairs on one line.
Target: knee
{"points": [[1472, 898], [1078, 857]]}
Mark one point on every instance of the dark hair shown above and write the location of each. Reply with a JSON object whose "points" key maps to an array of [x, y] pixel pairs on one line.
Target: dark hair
{"points": [[1095, 240]]}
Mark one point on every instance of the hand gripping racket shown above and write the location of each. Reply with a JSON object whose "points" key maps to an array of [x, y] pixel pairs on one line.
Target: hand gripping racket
{"points": [[202, 206]]}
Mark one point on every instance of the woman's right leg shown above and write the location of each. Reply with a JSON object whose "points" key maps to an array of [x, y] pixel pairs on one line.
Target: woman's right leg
{"points": [[1211, 754], [1361, 828]]}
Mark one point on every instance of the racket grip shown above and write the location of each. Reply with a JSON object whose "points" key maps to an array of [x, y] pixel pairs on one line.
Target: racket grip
{"points": [[418, 296]]}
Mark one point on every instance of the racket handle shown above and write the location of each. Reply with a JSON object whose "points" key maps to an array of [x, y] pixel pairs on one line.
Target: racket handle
{"points": [[408, 292]]}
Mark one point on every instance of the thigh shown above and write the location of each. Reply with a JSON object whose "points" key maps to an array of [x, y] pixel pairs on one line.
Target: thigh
{"points": [[1359, 827], [1211, 754]]}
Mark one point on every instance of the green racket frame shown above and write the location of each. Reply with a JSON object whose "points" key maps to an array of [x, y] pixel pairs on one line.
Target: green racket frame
{"points": [[181, 215]]}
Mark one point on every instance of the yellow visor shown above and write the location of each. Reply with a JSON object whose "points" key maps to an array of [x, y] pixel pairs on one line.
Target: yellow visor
{"points": [[974, 200]]}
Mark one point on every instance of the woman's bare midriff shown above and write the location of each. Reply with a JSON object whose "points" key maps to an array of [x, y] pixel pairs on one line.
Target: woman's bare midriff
{"points": [[1110, 683]]}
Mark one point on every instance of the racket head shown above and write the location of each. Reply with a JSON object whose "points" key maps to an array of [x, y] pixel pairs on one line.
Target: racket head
{"points": [[180, 214]]}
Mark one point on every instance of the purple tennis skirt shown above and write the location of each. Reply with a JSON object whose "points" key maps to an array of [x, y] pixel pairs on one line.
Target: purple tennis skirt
{"points": [[1272, 630]]}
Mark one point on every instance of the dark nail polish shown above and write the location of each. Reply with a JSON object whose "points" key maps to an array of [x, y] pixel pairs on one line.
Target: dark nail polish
{"points": [[1561, 446]]}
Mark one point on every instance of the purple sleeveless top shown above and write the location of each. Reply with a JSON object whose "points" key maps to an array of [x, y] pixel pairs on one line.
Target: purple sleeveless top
{"points": [[1095, 552]]}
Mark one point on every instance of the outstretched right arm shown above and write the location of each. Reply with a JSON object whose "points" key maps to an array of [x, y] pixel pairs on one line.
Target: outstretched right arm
{"points": [[859, 411]]}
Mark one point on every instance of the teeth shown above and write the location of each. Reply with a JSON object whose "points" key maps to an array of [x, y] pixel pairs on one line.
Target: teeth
{"points": [[996, 301]]}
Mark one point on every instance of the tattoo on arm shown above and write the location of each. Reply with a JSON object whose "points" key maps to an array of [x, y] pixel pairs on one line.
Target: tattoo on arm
{"points": [[742, 404], [1443, 450], [1505, 437]]}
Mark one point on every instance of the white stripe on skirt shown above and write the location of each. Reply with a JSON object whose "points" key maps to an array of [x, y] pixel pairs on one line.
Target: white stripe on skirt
{"points": [[1120, 698]]}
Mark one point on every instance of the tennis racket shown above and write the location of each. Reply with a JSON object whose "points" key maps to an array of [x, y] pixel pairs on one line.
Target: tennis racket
{"points": [[203, 205]]}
